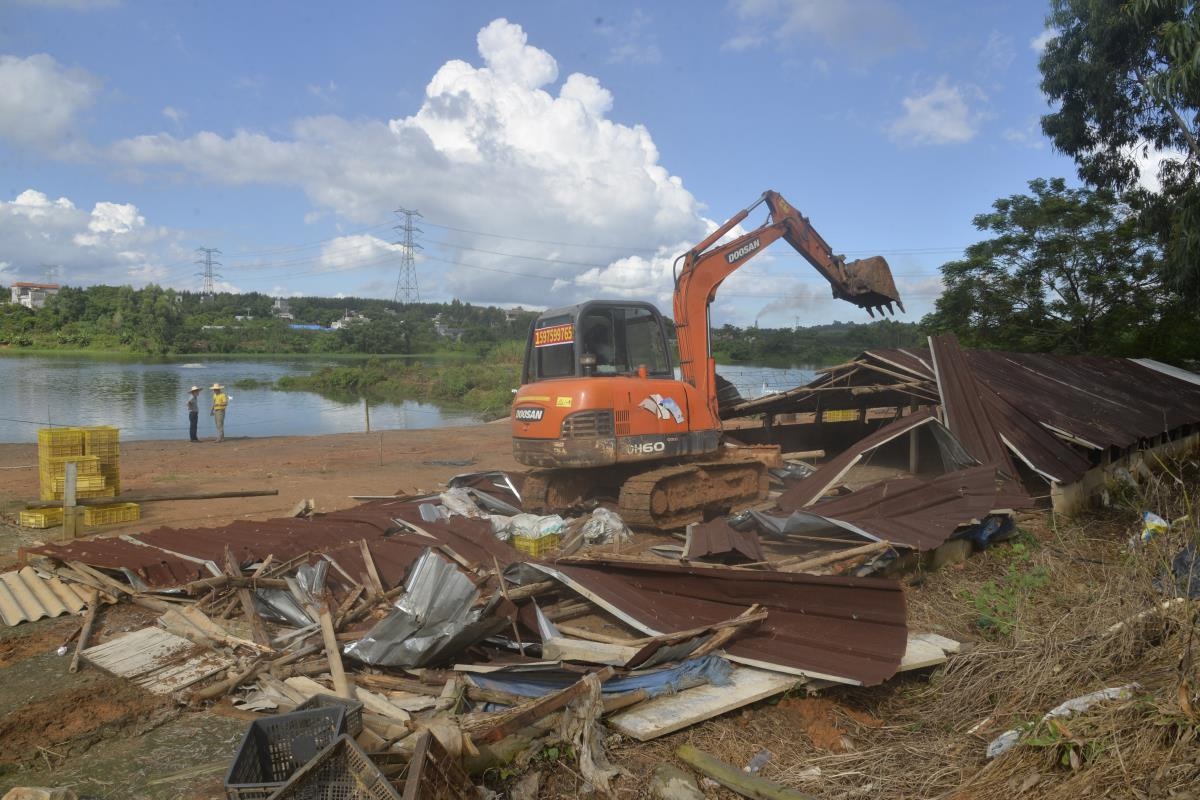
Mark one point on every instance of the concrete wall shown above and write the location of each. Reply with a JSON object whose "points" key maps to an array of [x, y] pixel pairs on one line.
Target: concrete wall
{"points": [[1074, 497]]}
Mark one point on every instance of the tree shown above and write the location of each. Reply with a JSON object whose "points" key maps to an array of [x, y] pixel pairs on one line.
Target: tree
{"points": [[1067, 270], [1126, 79]]}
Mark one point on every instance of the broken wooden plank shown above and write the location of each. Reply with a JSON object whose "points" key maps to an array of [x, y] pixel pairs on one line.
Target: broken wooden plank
{"points": [[85, 631], [372, 573], [927, 650], [672, 712], [257, 629], [156, 660], [340, 682], [536, 710], [561, 648], [798, 564], [744, 783]]}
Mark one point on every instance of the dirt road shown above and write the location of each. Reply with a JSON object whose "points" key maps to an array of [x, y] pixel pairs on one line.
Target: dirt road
{"points": [[327, 469]]}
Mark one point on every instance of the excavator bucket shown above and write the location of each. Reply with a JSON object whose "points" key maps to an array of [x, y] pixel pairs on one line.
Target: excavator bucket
{"points": [[869, 284]]}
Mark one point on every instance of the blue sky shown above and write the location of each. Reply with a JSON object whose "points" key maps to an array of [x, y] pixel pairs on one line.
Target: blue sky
{"points": [[557, 150]]}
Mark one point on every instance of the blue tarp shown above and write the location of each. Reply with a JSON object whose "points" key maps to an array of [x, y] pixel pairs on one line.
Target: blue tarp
{"points": [[693, 672]]}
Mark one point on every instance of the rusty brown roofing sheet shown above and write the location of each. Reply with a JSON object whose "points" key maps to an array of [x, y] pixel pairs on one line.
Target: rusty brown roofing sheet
{"points": [[915, 512], [1107, 402], [808, 490], [968, 418], [719, 541], [155, 567], [1040, 450], [161, 558], [847, 629]]}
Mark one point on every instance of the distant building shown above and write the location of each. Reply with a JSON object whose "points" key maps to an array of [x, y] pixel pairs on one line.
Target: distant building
{"points": [[514, 313], [300, 326], [348, 318], [33, 295], [445, 331], [281, 308]]}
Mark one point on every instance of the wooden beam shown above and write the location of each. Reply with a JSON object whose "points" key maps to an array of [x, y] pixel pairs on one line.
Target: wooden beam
{"points": [[799, 564], [86, 630], [537, 710], [372, 573], [341, 683], [731, 777], [258, 630], [153, 498]]}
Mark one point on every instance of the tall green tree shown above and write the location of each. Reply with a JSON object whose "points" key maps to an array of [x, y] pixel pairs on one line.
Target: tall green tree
{"points": [[1125, 78], [1066, 270]]}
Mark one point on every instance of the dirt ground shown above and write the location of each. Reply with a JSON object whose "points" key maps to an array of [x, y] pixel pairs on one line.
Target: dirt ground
{"points": [[327, 469]]}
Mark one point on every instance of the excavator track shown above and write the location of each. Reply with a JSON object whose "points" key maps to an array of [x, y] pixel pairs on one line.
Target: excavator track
{"points": [[672, 497], [665, 498]]}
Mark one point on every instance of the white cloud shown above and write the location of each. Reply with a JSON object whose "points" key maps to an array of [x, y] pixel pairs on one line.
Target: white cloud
{"points": [[40, 100], [996, 55], [939, 116], [494, 148], [111, 243], [356, 252], [1038, 43], [863, 30], [1150, 163], [174, 114], [1029, 136]]}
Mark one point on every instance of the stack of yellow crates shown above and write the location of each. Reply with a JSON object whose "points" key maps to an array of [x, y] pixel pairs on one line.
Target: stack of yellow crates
{"points": [[103, 441], [96, 453]]}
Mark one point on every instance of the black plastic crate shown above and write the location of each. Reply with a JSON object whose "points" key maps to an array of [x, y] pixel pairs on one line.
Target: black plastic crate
{"points": [[354, 709], [341, 771], [275, 747]]}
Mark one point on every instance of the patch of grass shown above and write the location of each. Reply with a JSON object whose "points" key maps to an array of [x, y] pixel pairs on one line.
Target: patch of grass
{"points": [[998, 602]]}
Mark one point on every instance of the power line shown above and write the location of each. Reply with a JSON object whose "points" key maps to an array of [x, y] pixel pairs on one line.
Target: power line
{"points": [[406, 281], [207, 262]]}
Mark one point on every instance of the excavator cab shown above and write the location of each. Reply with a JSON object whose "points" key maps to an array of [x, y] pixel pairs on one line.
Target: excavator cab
{"points": [[595, 339]]}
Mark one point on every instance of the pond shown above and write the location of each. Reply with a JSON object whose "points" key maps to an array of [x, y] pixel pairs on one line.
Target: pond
{"points": [[146, 398]]}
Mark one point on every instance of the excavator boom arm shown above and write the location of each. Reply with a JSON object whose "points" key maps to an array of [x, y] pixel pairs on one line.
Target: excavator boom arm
{"points": [[867, 283]]}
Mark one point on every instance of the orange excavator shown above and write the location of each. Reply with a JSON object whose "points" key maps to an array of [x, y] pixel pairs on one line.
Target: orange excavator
{"points": [[601, 412]]}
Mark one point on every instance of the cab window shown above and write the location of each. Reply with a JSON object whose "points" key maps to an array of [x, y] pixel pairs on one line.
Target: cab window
{"points": [[553, 351], [644, 342]]}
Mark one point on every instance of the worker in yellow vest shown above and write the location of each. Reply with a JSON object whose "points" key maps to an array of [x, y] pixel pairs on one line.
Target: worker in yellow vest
{"points": [[219, 401]]}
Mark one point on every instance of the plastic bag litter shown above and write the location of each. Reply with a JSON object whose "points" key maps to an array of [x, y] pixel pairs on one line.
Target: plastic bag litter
{"points": [[531, 526], [459, 501], [603, 526], [1009, 739], [1152, 525]]}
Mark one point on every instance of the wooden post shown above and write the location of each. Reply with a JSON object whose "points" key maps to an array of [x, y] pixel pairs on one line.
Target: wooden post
{"points": [[341, 684], [914, 449], [367, 411], [86, 631], [729, 776], [71, 510]]}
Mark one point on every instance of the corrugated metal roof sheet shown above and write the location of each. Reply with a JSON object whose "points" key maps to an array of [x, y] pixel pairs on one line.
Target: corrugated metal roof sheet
{"points": [[851, 630], [719, 541], [167, 557], [968, 419], [26, 596], [914, 512]]}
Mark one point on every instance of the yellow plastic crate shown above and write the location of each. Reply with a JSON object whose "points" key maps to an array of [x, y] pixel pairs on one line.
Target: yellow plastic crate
{"points": [[61, 438], [110, 515], [84, 465], [41, 518], [107, 491], [535, 548], [83, 483]]}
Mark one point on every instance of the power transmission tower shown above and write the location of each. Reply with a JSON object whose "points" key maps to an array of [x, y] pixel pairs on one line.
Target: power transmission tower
{"points": [[52, 272], [206, 261], [406, 281]]}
